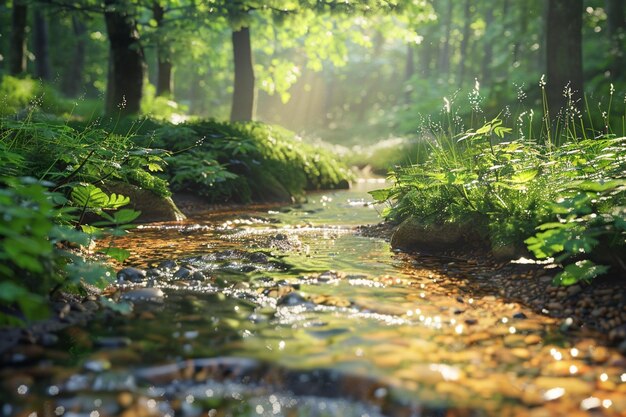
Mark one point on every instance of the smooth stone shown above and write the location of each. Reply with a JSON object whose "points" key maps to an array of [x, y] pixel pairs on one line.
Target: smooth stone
{"points": [[97, 365], [167, 265], [532, 339], [413, 233], [112, 342], [198, 276], [572, 386], [144, 294], [291, 299], [153, 208], [182, 273], [520, 316], [131, 274]]}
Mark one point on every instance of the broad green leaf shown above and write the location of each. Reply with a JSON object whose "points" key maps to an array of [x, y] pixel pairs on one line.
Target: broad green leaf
{"points": [[381, 195], [580, 271], [523, 176], [118, 254]]}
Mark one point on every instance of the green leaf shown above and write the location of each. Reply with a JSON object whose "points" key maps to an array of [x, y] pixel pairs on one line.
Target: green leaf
{"points": [[580, 271], [118, 254], [125, 216], [523, 176], [381, 195], [89, 196]]}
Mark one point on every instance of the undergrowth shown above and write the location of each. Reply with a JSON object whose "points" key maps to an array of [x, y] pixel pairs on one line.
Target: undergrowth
{"points": [[240, 162], [563, 201]]}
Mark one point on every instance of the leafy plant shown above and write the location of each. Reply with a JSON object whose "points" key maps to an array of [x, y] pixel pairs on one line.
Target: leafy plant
{"points": [[570, 200]]}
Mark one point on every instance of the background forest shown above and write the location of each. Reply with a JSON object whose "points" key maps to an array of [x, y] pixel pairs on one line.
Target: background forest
{"points": [[347, 72]]}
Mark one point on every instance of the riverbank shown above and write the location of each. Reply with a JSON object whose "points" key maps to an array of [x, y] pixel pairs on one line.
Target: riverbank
{"points": [[596, 309]]}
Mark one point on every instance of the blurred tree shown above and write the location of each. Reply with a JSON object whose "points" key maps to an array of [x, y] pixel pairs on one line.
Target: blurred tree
{"points": [[41, 45], [564, 54], [164, 62], [616, 17], [17, 53], [72, 82], [126, 61]]}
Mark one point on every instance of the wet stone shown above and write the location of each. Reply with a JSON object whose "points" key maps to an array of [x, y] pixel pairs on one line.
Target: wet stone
{"points": [[131, 275], [198, 276], [168, 265], [112, 342], [182, 273], [520, 316], [144, 294], [291, 299]]}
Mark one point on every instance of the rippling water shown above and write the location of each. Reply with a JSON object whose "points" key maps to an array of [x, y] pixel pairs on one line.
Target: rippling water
{"points": [[290, 312]]}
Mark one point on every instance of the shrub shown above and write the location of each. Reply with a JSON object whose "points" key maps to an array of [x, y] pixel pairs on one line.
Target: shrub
{"points": [[567, 202]]}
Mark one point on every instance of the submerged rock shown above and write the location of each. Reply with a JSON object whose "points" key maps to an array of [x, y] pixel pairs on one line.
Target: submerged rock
{"points": [[144, 294]]}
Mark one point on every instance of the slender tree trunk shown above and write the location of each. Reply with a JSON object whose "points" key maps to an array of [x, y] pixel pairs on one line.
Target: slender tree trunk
{"points": [[17, 52], [126, 63], [164, 78], [617, 33], [164, 85], [73, 80], [409, 70], [426, 56], [243, 95], [40, 45], [488, 48], [523, 28], [467, 20], [564, 52], [444, 59]]}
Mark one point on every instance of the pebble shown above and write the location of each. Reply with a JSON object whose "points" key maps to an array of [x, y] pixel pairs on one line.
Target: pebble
{"points": [[291, 299], [520, 316], [572, 386], [112, 342], [532, 339], [182, 273], [167, 265], [144, 294], [131, 274], [554, 306]]}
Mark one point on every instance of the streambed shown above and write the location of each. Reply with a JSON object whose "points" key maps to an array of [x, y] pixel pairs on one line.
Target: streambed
{"points": [[290, 311]]}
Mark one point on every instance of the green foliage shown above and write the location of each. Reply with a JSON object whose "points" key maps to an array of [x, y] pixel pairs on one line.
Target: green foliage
{"points": [[161, 108], [40, 245], [64, 155], [570, 200], [25, 94], [244, 161]]}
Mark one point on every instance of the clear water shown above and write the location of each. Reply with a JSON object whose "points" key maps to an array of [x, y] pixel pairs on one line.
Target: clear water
{"points": [[300, 315]]}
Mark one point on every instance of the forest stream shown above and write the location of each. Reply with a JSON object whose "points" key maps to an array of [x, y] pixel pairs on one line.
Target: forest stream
{"points": [[292, 311]]}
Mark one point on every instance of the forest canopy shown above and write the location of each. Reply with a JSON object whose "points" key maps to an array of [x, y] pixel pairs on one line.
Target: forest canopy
{"points": [[319, 65]]}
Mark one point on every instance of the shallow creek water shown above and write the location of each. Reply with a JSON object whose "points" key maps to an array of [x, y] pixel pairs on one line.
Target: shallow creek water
{"points": [[289, 311]]}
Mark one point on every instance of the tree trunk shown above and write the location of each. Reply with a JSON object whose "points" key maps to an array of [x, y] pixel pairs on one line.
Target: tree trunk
{"points": [[164, 77], [564, 53], [164, 85], [243, 95], [40, 45], [409, 70], [488, 42], [617, 33], [467, 20], [126, 64], [444, 59], [73, 80], [17, 53]]}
